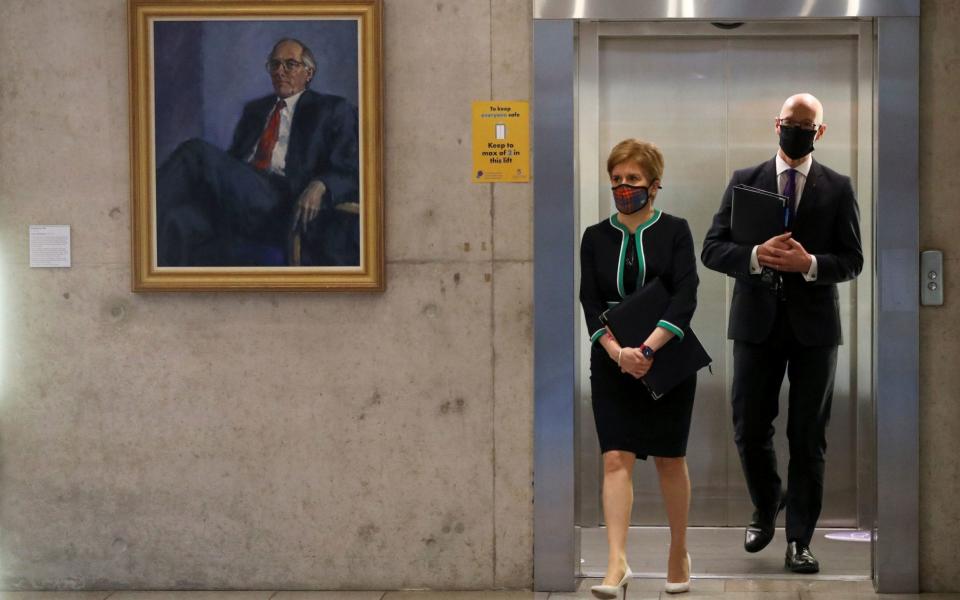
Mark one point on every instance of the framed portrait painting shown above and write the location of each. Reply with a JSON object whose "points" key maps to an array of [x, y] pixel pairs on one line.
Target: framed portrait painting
{"points": [[256, 157]]}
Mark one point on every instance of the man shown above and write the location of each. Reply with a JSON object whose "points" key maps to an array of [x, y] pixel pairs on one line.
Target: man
{"points": [[785, 316], [285, 193]]}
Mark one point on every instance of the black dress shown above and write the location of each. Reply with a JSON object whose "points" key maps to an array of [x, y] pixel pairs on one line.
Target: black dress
{"points": [[614, 263]]}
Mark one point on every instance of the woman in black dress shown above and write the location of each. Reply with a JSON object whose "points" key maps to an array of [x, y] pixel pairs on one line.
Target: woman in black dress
{"points": [[617, 256]]}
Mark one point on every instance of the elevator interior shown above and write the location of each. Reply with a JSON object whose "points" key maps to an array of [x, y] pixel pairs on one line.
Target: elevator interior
{"points": [[707, 95], [887, 371]]}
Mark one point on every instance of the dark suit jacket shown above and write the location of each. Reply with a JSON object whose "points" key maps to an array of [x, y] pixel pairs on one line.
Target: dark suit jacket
{"points": [[827, 225], [323, 143], [664, 249]]}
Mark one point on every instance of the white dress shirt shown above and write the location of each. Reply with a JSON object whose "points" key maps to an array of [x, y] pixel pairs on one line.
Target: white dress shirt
{"points": [[278, 160], [803, 169]]}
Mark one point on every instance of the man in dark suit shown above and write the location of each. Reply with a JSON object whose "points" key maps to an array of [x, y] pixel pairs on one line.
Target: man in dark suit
{"points": [[285, 193], [785, 316]]}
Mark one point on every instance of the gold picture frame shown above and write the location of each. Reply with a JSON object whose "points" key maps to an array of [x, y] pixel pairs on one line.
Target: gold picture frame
{"points": [[217, 210]]}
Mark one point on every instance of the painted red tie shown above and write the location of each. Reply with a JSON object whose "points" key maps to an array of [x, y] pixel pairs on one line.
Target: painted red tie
{"points": [[268, 139]]}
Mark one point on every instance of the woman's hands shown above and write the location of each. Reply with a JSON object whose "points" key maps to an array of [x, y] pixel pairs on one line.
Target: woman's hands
{"points": [[630, 360], [633, 362]]}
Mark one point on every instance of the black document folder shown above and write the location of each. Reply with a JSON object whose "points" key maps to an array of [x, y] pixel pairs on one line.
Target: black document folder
{"points": [[635, 318], [757, 215]]}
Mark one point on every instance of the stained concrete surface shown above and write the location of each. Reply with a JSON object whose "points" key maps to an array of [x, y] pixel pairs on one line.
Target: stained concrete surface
{"points": [[939, 325], [200, 441]]}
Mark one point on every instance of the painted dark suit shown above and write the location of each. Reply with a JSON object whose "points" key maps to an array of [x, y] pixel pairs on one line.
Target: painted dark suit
{"points": [[214, 209]]}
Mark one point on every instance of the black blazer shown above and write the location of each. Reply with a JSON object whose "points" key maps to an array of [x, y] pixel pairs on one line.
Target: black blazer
{"points": [[323, 143], [827, 225], [664, 249]]}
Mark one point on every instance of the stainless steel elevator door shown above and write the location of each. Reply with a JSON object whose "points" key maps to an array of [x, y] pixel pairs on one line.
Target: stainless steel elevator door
{"points": [[709, 103]]}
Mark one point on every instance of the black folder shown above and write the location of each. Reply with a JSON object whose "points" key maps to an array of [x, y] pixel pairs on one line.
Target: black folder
{"points": [[757, 215], [635, 318]]}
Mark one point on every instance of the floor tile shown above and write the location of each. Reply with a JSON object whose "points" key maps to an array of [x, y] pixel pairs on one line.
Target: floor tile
{"points": [[481, 595], [584, 594], [870, 595], [331, 595], [645, 585], [636, 585], [695, 593], [858, 595], [193, 595], [718, 552], [797, 585], [54, 595]]}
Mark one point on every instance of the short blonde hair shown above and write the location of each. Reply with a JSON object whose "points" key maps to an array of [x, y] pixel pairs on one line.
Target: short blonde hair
{"points": [[645, 154]]}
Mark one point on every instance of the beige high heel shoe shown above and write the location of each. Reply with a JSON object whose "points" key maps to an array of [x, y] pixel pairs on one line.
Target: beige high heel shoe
{"points": [[683, 586], [608, 592]]}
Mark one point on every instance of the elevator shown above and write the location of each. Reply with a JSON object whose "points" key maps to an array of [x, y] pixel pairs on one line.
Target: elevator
{"points": [[708, 98], [705, 81]]}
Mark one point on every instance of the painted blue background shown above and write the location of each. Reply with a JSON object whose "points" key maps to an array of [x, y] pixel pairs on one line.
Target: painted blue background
{"points": [[205, 71]]}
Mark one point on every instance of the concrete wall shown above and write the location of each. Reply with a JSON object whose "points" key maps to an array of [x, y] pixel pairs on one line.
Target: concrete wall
{"points": [[265, 440], [940, 326], [318, 441]]}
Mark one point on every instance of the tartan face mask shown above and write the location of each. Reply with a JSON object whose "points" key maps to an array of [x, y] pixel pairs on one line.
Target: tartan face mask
{"points": [[629, 198]]}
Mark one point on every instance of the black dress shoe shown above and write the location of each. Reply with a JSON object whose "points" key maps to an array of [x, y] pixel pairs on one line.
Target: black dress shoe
{"points": [[800, 560], [760, 530]]}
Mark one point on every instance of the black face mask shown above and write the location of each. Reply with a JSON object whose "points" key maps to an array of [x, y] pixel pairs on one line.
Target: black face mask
{"points": [[796, 142]]}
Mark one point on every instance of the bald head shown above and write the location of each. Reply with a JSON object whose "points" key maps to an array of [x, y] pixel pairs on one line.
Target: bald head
{"points": [[799, 125], [802, 107]]}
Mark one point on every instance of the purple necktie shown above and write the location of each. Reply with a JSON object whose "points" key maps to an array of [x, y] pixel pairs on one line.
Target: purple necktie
{"points": [[790, 191]]}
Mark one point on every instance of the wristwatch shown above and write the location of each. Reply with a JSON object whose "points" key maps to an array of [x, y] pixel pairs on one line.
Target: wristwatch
{"points": [[646, 351]]}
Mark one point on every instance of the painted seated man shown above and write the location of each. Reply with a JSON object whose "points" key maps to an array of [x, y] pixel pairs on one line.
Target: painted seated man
{"points": [[286, 192]]}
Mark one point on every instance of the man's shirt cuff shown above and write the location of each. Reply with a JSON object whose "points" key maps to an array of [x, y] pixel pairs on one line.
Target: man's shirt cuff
{"points": [[811, 274], [755, 263]]}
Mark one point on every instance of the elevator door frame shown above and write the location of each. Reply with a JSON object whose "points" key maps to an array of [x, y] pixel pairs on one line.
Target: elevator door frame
{"points": [[895, 367], [589, 172]]}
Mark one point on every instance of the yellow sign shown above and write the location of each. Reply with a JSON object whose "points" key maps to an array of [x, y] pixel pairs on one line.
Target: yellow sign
{"points": [[501, 141]]}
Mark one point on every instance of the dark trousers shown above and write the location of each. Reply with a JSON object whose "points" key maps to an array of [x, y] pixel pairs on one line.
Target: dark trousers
{"points": [[758, 371], [215, 210]]}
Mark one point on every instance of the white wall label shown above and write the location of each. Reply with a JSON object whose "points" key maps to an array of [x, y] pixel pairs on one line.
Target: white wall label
{"points": [[49, 245]]}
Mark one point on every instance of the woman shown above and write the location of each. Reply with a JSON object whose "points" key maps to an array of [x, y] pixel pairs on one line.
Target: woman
{"points": [[617, 256]]}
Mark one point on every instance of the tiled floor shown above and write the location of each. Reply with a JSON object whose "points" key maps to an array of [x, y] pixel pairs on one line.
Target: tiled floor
{"points": [[718, 552], [639, 589], [719, 574]]}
